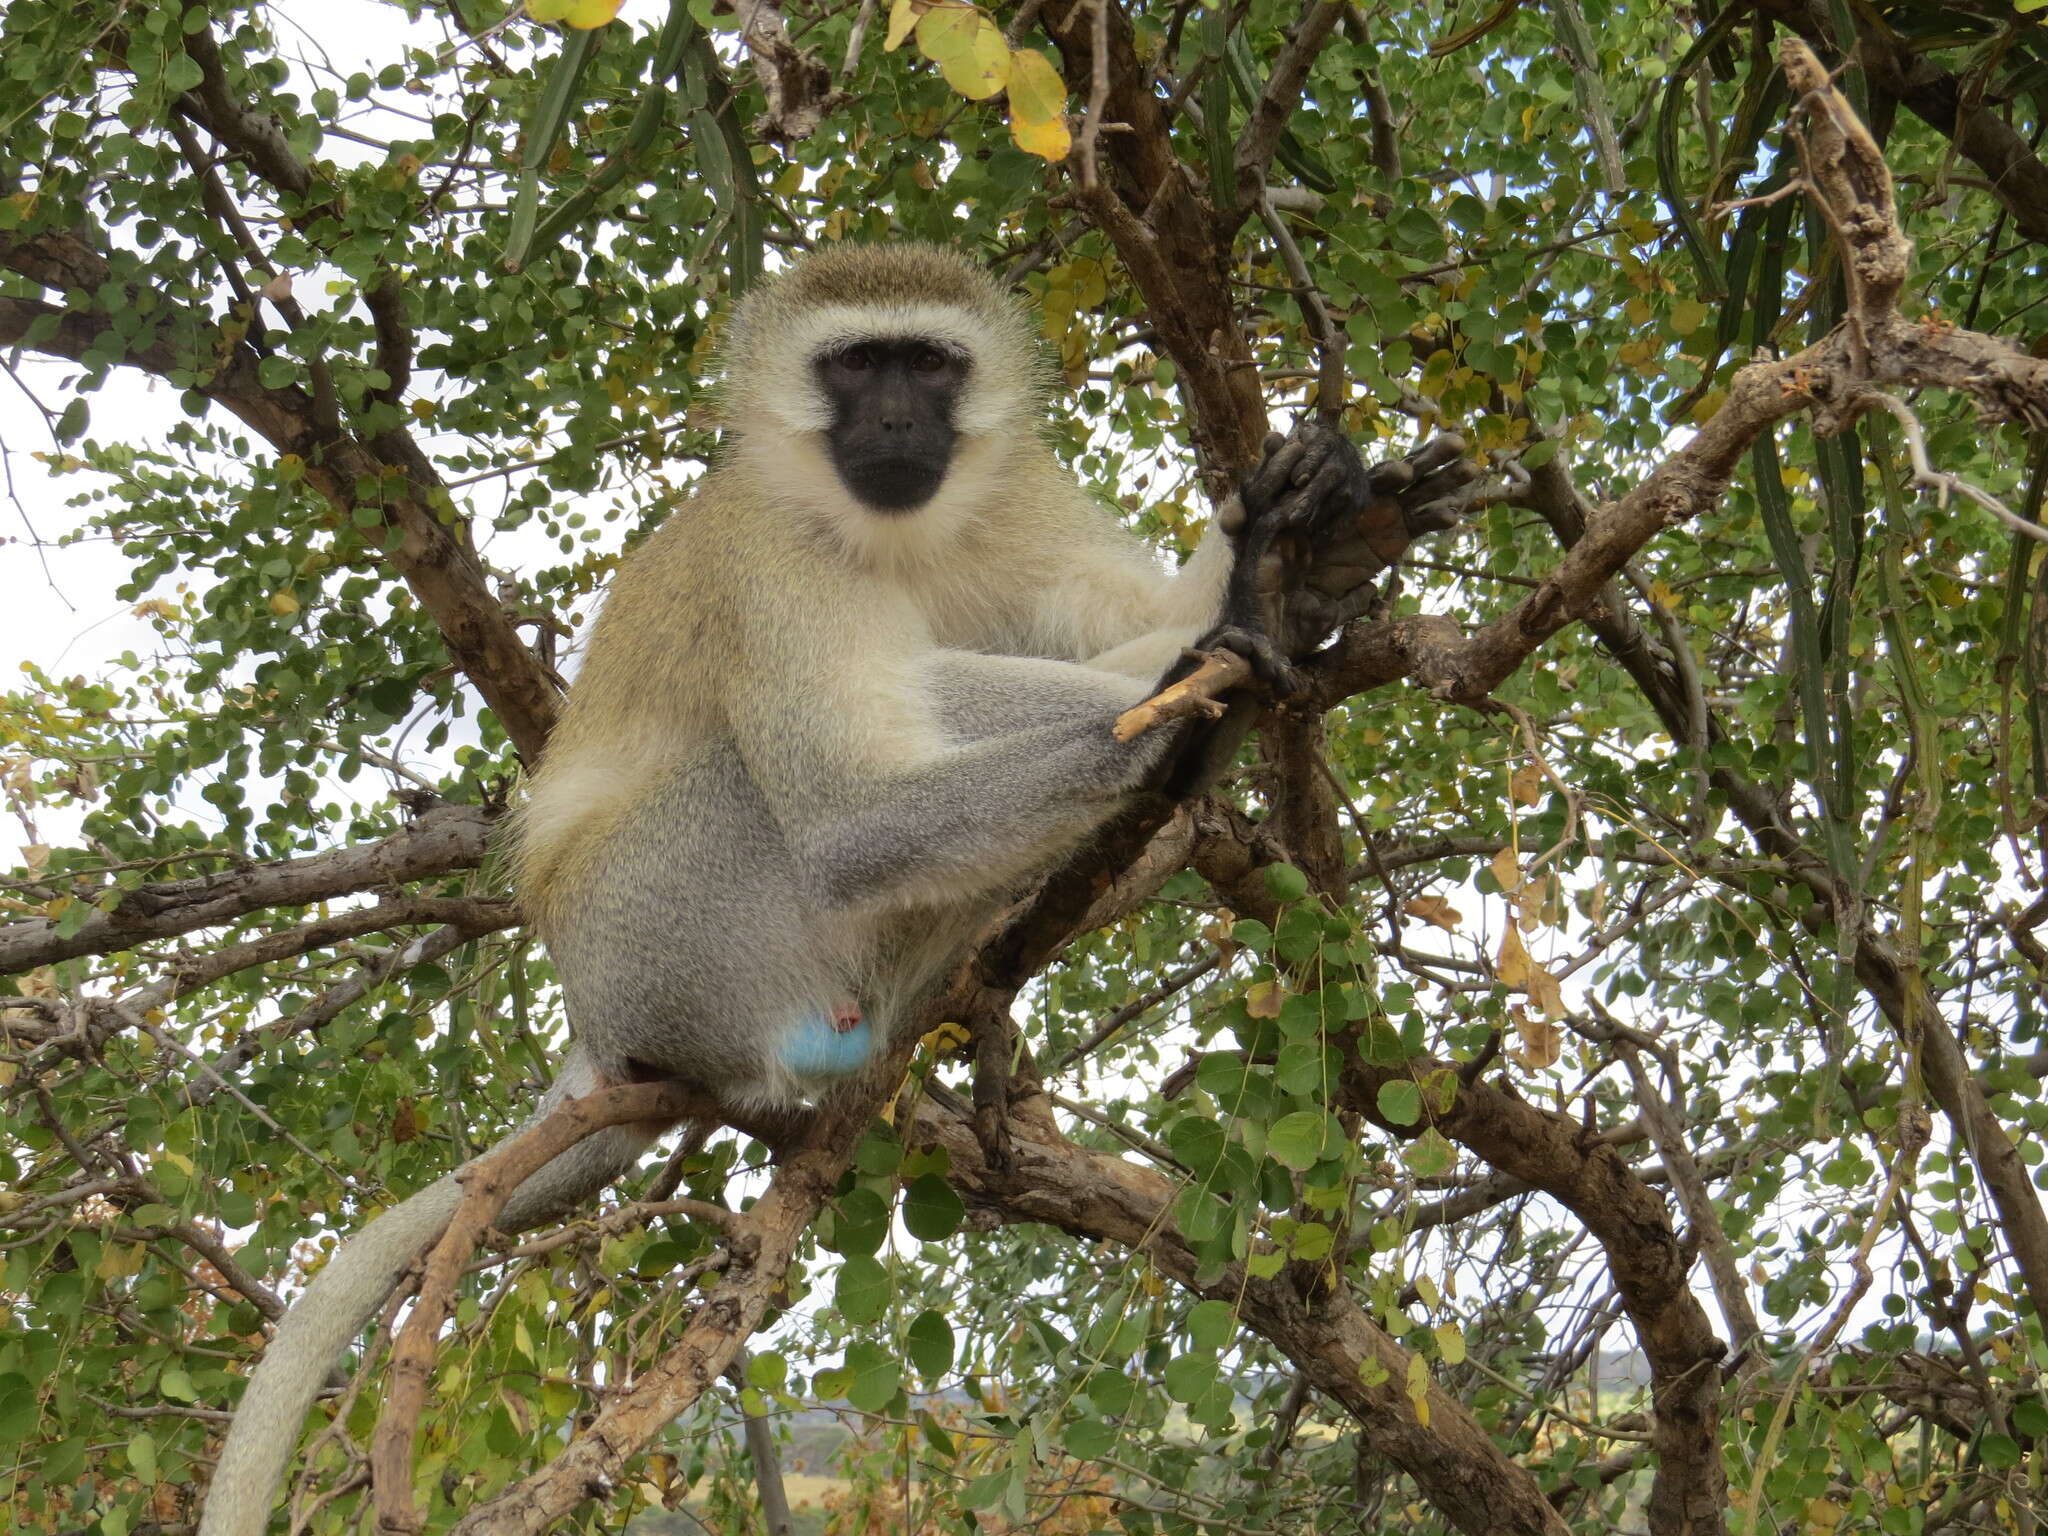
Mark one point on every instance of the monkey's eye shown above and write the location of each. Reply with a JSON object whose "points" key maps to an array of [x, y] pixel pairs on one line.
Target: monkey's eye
{"points": [[928, 360], [856, 359]]}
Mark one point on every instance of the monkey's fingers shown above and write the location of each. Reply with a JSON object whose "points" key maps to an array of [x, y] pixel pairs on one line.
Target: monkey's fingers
{"points": [[1435, 516], [1321, 445], [1390, 478], [1440, 482], [1259, 489], [1329, 498], [1437, 452], [1333, 580]]}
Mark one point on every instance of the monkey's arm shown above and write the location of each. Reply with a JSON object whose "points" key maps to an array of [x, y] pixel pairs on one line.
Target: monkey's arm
{"points": [[1291, 554], [1016, 761]]}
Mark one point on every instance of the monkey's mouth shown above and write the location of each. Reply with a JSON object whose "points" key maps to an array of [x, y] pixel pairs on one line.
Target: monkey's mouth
{"points": [[894, 482]]}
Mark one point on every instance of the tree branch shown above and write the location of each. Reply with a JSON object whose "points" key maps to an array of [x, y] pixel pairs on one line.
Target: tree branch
{"points": [[448, 837]]}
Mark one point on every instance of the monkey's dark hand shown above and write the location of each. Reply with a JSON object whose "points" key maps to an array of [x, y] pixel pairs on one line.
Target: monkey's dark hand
{"points": [[1314, 527], [1425, 492], [1272, 522]]}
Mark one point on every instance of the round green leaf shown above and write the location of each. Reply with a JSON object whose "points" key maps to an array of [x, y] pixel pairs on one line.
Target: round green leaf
{"points": [[931, 1209]]}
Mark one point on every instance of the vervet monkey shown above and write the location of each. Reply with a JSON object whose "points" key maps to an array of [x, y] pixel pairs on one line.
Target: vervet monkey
{"points": [[853, 693]]}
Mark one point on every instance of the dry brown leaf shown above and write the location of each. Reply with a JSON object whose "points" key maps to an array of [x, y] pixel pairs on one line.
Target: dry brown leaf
{"points": [[1511, 965], [1434, 909], [1544, 991], [1507, 870], [1526, 787], [1541, 1040]]}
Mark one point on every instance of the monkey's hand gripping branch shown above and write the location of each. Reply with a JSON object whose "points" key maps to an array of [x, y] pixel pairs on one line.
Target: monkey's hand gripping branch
{"points": [[1313, 528], [1199, 694]]}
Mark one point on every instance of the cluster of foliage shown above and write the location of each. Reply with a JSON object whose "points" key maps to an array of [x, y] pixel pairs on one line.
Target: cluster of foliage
{"points": [[1735, 895]]}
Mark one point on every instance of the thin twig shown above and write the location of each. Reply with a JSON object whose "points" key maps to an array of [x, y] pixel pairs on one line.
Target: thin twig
{"points": [[1199, 693]]}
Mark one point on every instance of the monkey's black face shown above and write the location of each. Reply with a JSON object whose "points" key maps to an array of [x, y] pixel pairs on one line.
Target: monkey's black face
{"points": [[892, 430]]}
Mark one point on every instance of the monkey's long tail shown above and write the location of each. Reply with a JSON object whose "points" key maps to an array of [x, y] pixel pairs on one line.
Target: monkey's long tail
{"points": [[348, 1293]]}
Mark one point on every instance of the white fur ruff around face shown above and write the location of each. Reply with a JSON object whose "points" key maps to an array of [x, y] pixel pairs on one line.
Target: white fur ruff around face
{"points": [[810, 491]]}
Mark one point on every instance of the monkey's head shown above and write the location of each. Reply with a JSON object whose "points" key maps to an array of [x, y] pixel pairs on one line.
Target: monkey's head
{"points": [[897, 375]]}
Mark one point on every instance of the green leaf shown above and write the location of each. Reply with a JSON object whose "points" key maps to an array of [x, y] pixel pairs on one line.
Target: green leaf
{"points": [[1090, 1439], [1429, 1155], [142, 1455], [1998, 1451], [1211, 1325], [1285, 883], [1400, 1102], [931, 1209], [863, 1291], [176, 1384], [1187, 1377], [1297, 1139], [19, 1410], [929, 1342], [1311, 1242], [861, 1222], [877, 1377]]}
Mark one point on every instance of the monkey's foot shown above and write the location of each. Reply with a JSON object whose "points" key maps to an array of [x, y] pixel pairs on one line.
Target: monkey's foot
{"points": [[828, 1044]]}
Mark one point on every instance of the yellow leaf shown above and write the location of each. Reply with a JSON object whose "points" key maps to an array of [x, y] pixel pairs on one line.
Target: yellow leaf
{"points": [[936, 28], [1450, 1343], [1418, 1388], [120, 1259], [1264, 1000], [1663, 596], [1049, 140], [283, 604], [1526, 787], [968, 48], [1037, 93], [1687, 316], [903, 16], [580, 14]]}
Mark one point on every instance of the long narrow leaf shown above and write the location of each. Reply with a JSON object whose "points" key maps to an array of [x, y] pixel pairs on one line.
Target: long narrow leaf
{"points": [[558, 98]]}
